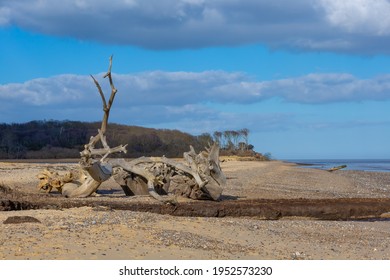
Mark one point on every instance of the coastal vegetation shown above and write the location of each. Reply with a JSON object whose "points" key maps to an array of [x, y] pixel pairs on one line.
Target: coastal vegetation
{"points": [[47, 139]]}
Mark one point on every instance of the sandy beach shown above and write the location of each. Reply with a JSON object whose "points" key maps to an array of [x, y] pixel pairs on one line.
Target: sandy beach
{"points": [[101, 233]]}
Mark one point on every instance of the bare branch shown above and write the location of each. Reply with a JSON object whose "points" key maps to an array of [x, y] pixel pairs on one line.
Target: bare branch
{"points": [[89, 149], [111, 100], [101, 93], [113, 89], [109, 67], [101, 152], [103, 139]]}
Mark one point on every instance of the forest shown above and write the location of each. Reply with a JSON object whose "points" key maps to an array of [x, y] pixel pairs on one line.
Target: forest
{"points": [[50, 139]]}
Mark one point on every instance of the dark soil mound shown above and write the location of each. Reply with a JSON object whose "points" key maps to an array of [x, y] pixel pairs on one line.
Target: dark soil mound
{"points": [[325, 209]]}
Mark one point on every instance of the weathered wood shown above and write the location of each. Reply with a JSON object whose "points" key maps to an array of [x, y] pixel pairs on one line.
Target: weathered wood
{"points": [[87, 188], [200, 177], [336, 168], [96, 173], [51, 179], [149, 179], [131, 184]]}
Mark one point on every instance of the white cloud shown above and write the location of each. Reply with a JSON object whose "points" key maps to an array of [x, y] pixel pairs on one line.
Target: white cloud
{"points": [[327, 88], [178, 89], [4, 16], [359, 16], [189, 101], [325, 25], [56, 91]]}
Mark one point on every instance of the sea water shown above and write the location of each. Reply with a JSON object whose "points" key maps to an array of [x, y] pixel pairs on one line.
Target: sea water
{"points": [[379, 165]]}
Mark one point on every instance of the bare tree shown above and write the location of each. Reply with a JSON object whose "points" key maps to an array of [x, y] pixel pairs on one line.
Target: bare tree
{"points": [[227, 134], [218, 137], [245, 134], [235, 137]]}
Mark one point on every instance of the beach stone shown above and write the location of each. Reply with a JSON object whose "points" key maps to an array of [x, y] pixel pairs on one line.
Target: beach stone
{"points": [[21, 220]]}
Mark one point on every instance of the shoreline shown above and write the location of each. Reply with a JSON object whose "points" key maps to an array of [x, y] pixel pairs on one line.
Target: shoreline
{"points": [[368, 165]]}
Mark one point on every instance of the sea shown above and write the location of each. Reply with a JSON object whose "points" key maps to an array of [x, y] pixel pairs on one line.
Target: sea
{"points": [[377, 165]]}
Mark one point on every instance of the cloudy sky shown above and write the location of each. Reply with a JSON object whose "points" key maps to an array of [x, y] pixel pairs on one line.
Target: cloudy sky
{"points": [[308, 78]]}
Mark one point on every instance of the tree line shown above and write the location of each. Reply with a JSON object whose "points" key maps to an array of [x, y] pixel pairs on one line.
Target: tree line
{"points": [[233, 140], [65, 139]]}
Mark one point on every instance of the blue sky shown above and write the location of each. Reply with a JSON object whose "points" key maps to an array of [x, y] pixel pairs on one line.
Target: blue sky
{"points": [[309, 79]]}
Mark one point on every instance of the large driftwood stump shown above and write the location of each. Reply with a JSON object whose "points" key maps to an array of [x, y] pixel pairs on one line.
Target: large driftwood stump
{"points": [[199, 177]]}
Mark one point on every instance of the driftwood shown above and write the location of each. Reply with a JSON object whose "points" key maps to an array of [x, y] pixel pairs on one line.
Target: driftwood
{"points": [[50, 179], [199, 177], [336, 168]]}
